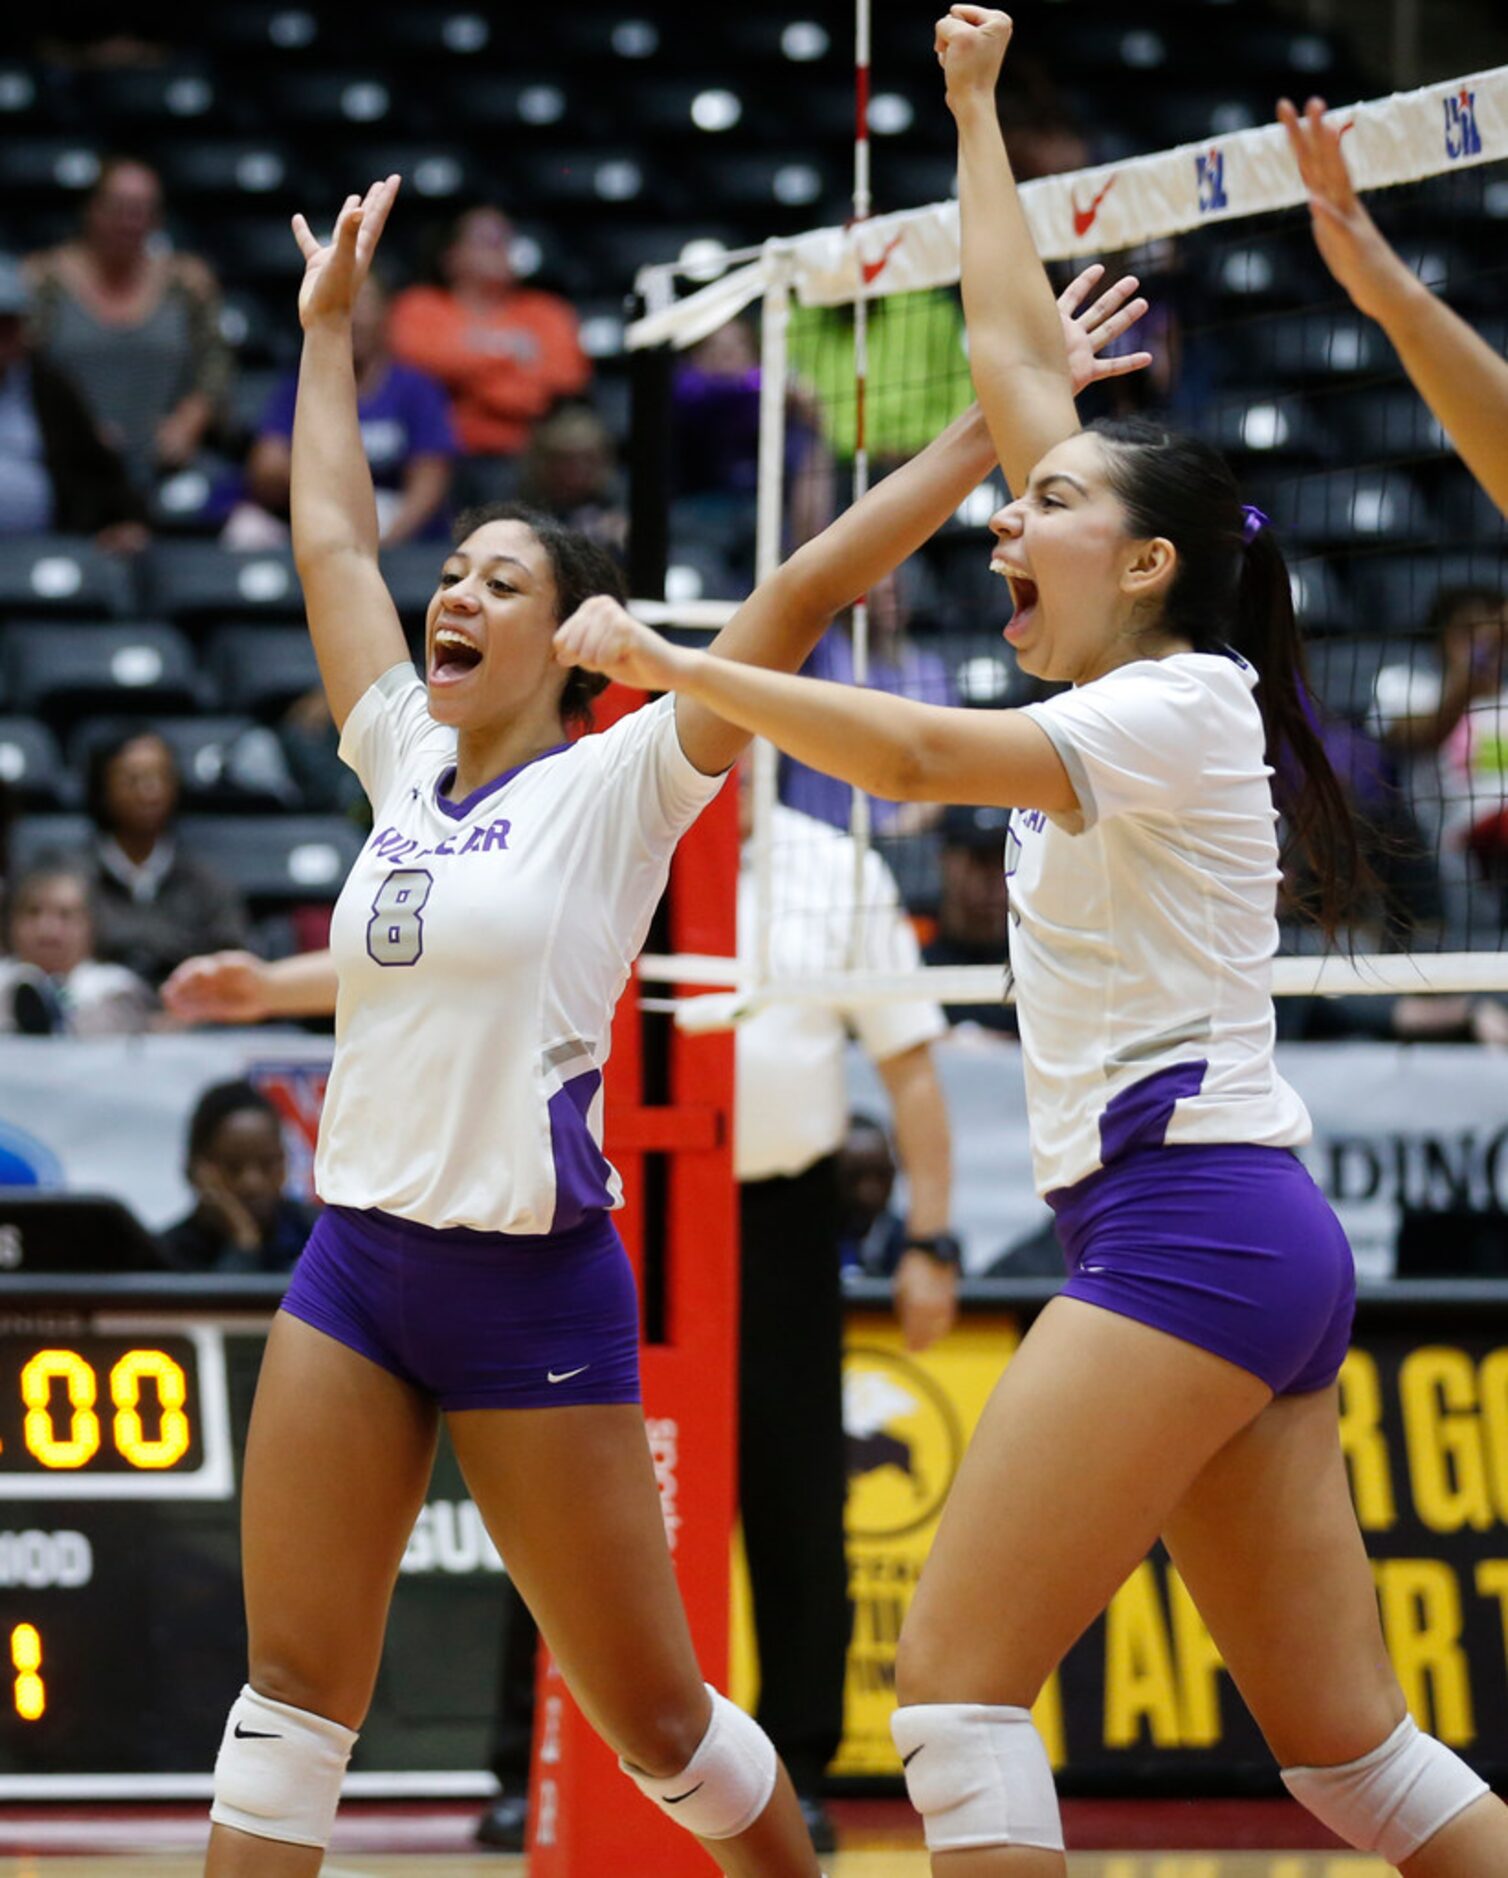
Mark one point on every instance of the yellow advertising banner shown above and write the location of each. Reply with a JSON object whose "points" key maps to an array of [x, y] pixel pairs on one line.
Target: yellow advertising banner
{"points": [[1424, 1431]]}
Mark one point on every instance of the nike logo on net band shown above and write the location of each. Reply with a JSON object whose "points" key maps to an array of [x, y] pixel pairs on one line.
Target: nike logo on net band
{"points": [[253, 1734], [1085, 219], [565, 1375]]}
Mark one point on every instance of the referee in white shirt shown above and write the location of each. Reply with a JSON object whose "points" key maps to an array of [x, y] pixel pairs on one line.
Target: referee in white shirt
{"points": [[791, 1119]]}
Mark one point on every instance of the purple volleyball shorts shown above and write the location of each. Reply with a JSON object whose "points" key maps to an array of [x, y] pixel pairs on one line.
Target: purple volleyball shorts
{"points": [[477, 1319], [1231, 1247]]}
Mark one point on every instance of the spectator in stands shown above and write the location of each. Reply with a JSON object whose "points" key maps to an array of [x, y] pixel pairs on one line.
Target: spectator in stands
{"points": [[570, 471], [972, 908], [715, 420], [242, 1221], [897, 664], [1453, 714], [56, 470], [405, 429], [134, 325], [155, 905], [505, 353], [52, 985]]}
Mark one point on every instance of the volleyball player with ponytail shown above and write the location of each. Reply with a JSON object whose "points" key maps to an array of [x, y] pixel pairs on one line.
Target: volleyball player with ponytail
{"points": [[1183, 1385]]}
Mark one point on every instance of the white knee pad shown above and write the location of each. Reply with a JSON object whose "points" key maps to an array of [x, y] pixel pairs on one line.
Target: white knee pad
{"points": [[978, 1776], [725, 1785], [1394, 1799], [279, 1771]]}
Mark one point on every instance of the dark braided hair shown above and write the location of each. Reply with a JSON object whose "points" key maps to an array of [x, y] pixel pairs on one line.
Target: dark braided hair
{"points": [[1228, 590], [580, 567]]}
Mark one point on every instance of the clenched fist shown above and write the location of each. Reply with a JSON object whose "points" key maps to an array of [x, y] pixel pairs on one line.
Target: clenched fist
{"points": [[605, 637], [970, 43]]}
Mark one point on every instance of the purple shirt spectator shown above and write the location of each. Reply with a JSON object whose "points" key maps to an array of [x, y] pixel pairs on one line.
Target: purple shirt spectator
{"points": [[406, 414]]}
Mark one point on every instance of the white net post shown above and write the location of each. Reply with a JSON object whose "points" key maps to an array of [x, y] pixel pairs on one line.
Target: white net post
{"points": [[863, 203], [774, 374]]}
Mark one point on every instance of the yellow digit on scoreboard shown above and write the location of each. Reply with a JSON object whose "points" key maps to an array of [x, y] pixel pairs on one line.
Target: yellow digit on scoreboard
{"points": [[42, 1438], [26, 1660], [135, 1367]]}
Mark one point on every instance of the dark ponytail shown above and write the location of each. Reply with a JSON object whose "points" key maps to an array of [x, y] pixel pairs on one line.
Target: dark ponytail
{"points": [[581, 568], [1231, 588]]}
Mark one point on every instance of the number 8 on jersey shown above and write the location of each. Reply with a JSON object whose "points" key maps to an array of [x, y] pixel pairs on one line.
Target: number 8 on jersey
{"points": [[395, 932]]}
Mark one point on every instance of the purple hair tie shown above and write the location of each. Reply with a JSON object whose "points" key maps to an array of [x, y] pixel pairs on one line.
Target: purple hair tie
{"points": [[1255, 522]]}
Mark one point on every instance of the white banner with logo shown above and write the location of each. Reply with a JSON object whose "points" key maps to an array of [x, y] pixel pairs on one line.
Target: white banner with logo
{"points": [[1399, 139], [1422, 1126]]}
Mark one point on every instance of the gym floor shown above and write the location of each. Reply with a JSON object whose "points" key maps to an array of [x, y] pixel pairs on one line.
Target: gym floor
{"points": [[879, 1839]]}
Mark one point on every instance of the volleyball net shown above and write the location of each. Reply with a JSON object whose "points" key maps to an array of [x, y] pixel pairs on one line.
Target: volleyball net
{"points": [[1399, 563]]}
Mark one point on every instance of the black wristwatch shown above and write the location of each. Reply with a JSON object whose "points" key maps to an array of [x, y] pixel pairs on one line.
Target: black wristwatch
{"points": [[941, 1246]]}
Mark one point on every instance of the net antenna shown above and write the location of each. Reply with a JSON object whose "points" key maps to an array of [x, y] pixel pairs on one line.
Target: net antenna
{"points": [[1225, 197]]}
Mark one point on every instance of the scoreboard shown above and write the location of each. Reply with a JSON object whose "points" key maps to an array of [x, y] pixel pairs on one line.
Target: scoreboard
{"points": [[123, 1412]]}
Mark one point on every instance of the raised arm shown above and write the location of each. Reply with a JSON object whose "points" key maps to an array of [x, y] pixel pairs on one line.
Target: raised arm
{"points": [[1016, 352], [784, 617], [891, 747], [1454, 370], [352, 620]]}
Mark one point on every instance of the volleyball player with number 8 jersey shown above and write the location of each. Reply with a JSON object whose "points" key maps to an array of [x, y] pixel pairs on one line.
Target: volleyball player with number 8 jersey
{"points": [[466, 1264]]}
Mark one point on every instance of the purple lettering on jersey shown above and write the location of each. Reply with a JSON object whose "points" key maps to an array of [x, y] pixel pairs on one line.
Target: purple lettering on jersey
{"points": [[391, 845], [475, 838], [442, 847], [1034, 819], [497, 837]]}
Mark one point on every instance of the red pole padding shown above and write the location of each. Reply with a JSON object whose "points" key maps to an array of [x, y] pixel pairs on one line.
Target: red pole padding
{"points": [[586, 1819]]}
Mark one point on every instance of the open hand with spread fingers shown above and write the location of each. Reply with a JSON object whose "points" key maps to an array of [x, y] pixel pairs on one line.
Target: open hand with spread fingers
{"points": [[1088, 330], [604, 637], [334, 272], [1348, 239], [970, 43]]}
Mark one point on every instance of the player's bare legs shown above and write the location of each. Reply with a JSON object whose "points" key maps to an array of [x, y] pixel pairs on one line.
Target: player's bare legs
{"points": [[1267, 1542], [1092, 1436], [570, 1497], [338, 1460]]}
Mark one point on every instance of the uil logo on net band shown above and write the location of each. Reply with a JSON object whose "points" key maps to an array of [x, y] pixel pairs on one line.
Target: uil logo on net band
{"points": [[903, 1441], [1209, 173], [1463, 134]]}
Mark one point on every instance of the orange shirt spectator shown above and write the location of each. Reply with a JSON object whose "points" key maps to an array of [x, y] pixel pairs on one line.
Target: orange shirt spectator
{"points": [[505, 353]]}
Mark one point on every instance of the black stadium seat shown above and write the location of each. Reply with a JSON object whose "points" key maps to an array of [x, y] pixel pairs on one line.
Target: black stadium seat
{"points": [[281, 858], [31, 765], [1346, 508], [43, 837], [199, 580], [65, 672], [261, 669], [1295, 349], [63, 574]]}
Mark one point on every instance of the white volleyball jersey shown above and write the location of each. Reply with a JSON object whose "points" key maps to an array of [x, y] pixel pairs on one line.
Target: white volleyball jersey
{"points": [[481, 946], [1143, 929]]}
